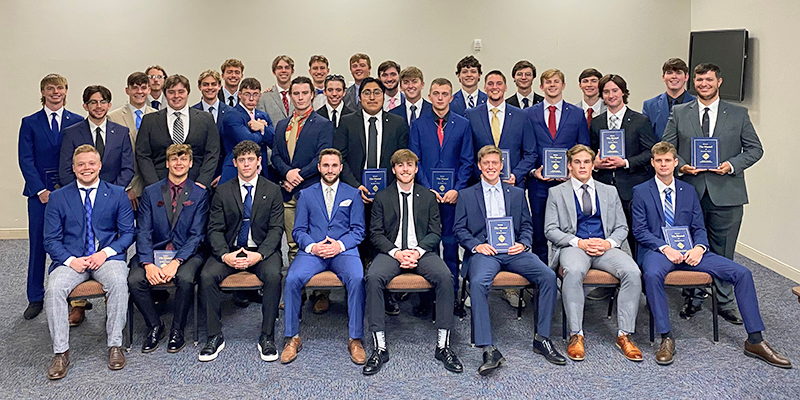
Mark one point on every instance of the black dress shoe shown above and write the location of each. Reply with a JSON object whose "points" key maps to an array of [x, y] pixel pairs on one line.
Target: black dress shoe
{"points": [[688, 310], [33, 309], [267, 349], [449, 358], [153, 338], [176, 341], [600, 293], [213, 346], [375, 362], [491, 361], [544, 346], [390, 305], [731, 316], [422, 309], [240, 299], [459, 310]]}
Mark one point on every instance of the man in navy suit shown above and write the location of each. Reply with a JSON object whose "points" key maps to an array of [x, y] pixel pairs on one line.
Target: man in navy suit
{"points": [[666, 202], [468, 71], [442, 140], [556, 124], [675, 74], [172, 217], [389, 74], [39, 146], [209, 84], [246, 122], [232, 71], [413, 105], [523, 73], [492, 198], [88, 228], [328, 227]]}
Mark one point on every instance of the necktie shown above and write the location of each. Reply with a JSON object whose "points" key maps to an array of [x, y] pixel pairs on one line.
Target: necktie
{"points": [[54, 124], [495, 126], [614, 120], [589, 113], [292, 135], [177, 129], [99, 144], [372, 148], [391, 103], [252, 115], [155, 104], [138, 118], [586, 198], [471, 101], [176, 191], [404, 236], [706, 123], [230, 101], [213, 114], [329, 200], [669, 214], [247, 206], [525, 103], [440, 131], [285, 101], [551, 121], [320, 91], [413, 116], [495, 207], [87, 207], [671, 103], [333, 119]]}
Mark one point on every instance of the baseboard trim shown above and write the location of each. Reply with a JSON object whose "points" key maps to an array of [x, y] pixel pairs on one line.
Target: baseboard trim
{"points": [[780, 267], [14, 233]]}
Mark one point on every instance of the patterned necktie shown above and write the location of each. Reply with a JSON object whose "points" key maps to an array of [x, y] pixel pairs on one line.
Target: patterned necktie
{"points": [[87, 207], [247, 206], [329, 200], [440, 131], [230, 101], [155, 104], [551, 121], [495, 126], [293, 134], [706, 123], [138, 118], [614, 122], [372, 148], [404, 235], [589, 113], [669, 214], [471, 101], [413, 116], [99, 143], [177, 129], [285, 101], [176, 191], [525, 103], [586, 198], [54, 123]]}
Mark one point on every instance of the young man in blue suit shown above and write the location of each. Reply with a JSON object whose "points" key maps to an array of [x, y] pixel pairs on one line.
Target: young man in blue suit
{"points": [[468, 71], [232, 71], [411, 83], [675, 74], [172, 216], [245, 122], [39, 146], [442, 139], [667, 202], [490, 199], [88, 228], [556, 124], [209, 84], [328, 227]]}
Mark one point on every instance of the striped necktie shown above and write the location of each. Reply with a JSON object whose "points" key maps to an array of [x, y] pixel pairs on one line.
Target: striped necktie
{"points": [[669, 214]]}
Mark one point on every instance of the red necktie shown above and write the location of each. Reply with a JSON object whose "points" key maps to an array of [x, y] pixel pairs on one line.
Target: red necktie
{"points": [[589, 117], [551, 121], [285, 101], [440, 131]]}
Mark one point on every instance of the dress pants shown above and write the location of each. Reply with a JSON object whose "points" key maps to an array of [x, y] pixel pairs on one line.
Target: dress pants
{"points": [[576, 263], [184, 280], [483, 269], [385, 267], [289, 208], [632, 243], [656, 266], [365, 249], [537, 196], [346, 267], [113, 275], [36, 254], [215, 271], [449, 242]]}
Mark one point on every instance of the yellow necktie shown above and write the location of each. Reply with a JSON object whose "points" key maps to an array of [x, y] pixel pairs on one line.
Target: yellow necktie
{"points": [[291, 138], [495, 126]]}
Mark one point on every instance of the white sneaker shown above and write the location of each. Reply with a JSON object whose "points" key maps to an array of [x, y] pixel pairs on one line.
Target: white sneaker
{"points": [[512, 297]]}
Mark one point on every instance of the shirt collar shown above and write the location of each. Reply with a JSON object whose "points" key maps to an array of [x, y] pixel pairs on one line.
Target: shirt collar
{"points": [[366, 115], [160, 99], [679, 99], [229, 94], [661, 186], [713, 107], [558, 105], [501, 107], [252, 181], [529, 97], [335, 186], [576, 184], [486, 186], [133, 108], [93, 127], [206, 106], [183, 111], [48, 112], [338, 108], [172, 185], [399, 189], [95, 185], [418, 103], [304, 115], [396, 97], [619, 114]]}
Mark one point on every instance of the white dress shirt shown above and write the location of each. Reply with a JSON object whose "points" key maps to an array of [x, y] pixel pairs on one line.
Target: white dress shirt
{"points": [[663, 196], [596, 108], [417, 112], [520, 97], [379, 126], [93, 128], [228, 94], [559, 108], [133, 111], [592, 188], [162, 102], [184, 118], [207, 107], [474, 98], [92, 196], [250, 241], [338, 109], [713, 113], [499, 209], [325, 186], [501, 115], [388, 99], [412, 232], [59, 114]]}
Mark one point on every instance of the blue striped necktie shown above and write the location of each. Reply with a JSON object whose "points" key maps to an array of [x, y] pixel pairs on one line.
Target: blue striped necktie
{"points": [[87, 207], [247, 206], [669, 214]]}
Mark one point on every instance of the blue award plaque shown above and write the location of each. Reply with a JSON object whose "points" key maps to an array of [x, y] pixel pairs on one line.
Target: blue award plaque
{"points": [[500, 233], [374, 179], [612, 143], [705, 153], [678, 237], [505, 173], [162, 257], [51, 181], [442, 180], [555, 164]]}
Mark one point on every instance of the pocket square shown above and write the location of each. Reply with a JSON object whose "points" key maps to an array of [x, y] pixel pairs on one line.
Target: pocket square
{"points": [[345, 203]]}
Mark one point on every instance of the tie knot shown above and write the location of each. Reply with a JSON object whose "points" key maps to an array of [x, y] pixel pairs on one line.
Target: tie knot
{"points": [[53, 114], [668, 191], [470, 97], [97, 130], [211, 109], [552, 108], [87, 190], [138, 113], [405, 194], [706, 109], [585, 187], [495, 110], [248, 187], [177, 114], [413, 108], [372, 120]]}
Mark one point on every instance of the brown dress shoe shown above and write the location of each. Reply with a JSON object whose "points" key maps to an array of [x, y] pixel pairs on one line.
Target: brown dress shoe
{"points": [[322, 304], [629, 349], [116, 359], [290, 349], [575, 350], [77, 315], [58, 368], [762, 351], [665, 352], [357, 353]]}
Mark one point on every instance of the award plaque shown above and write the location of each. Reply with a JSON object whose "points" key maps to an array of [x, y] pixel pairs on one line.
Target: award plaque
{"points": [[374, 179], [679, 238], [555, 164], [162, 257], [505, 173], [500, 233], [442, 180], [612, 143], [705, 153], [51, 181]]}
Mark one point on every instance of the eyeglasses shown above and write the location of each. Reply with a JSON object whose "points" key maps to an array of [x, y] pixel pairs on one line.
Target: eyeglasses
{"points": [[250, 95], [334, 77], [372, 93], [156, 76], [95, 102]]}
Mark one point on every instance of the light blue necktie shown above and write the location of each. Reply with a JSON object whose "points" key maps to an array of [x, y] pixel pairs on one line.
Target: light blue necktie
{"points": [[138, 118], [669, 214], [87, 207]]}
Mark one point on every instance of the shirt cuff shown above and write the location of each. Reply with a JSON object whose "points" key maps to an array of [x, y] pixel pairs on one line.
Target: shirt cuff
{"points": [[613, 243], [661, 249], [574, 241], [732, 170], [627, 164], [392, 251], [109, 252], [40, 192], [702, 246], [341, 244], [68, 261], [419, 249], [308, 248]]}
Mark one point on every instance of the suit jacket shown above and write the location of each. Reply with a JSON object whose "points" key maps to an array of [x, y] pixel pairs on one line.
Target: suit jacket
{"points": [[266, 218], [223, 109], [514, 101], [117, 158], [272, 103], [401, 110], [657, 109], [65, 222], [647, 215], [154, 138], [323, 112], [316, 135], [455, 152], [350, 138], [639, 140], [516, 136], [470, 220], [346, 224], [126, 118], [351, 98], [561, 217], [223, 100], [738, 144], [235, 130], [38, 150], [385, 223], [458, 105]]}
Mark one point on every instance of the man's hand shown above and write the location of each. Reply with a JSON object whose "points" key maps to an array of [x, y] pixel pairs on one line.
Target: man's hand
{"points": [[615, 162], [511, 180], [168, 272], [409, 258], [267, 90], [688, 169], [44, 197], [364, 193], [723, 169], [486, 249], [253, 257], [215, 182], [601, 163], [257, 125], [516, 249], [79, 264], [322, 249], [153, 274], [230, 258], [674, 256], [201, 185], [132, 197], [294, 177], [287, 186], [538, 174], [439, 198], [96, 260], [451, 197], [594, 246], [694, 256]]}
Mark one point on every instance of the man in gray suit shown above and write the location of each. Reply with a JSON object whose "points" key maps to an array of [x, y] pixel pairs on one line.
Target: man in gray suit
{"points": [[722, 191], [360, 67], [275, 101], [585, 222]]}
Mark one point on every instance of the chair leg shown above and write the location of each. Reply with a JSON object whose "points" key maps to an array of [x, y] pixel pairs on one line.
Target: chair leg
{"points": [[535, 301], [714, 311], [563, 320], [519, 305], [652, 328], [611, 303], [196, 333], [130, 324]]}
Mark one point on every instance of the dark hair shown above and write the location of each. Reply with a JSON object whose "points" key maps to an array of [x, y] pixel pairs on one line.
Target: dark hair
{"points": [[589, 72], [173, 80], [370, 79], [674, 64], [330, 152], [250, 83], [158, 67], [246, 147], [496, 72], [522, 65], [317, 58], [388, 64], [468, 62], [623, 86], [138, 78], [441, 82], [335, 78], [90, 90], [704, 68], [300, 80]]}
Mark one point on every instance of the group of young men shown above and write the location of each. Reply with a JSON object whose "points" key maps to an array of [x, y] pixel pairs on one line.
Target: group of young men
{"points": [[218, 184]]}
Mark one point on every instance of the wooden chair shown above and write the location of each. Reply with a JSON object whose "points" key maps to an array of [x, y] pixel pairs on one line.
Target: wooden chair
{"points": [[796, 291], [325, 280], [161, 287], [93, 289], [410, 283], [691, 280], [594, 278]]}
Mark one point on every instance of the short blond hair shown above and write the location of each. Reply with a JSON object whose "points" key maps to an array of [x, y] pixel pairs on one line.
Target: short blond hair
{"points": [[231, 62], [360, 56], [661, 148], [318, 58], [179, 149], [551, 73], [53, 79], [84, 148], [403, 155], [411, 73], [209, 72], [580, 148], [489, 149]]}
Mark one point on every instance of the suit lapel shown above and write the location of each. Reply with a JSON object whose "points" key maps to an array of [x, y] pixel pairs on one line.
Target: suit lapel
{"points": [[362, 135], [100, 202], [166, 197], [320, 197], [387, 130], [74, 197], [722, 117], [506, 124], [507, 200], [569, 199], [184, 195], [45, 120], [193, 122], [694, 119], [564, 117], [128, 118], [657, 200], [479, 197], [259, 197], [662, 106], [278, 100], [602, 200]]}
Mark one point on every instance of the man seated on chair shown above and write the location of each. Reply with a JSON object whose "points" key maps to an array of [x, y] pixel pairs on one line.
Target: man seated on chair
{"points": [[406, 230], [586, 225], [245, 226], [328, 225], [172, 216], [492, 198], [668, 202], [88, 226]]}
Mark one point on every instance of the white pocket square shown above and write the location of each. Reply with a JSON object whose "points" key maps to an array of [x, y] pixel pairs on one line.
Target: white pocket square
{"points": [[345, 203]]}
